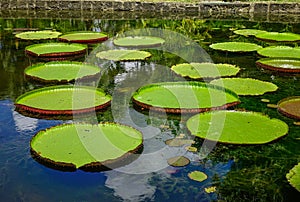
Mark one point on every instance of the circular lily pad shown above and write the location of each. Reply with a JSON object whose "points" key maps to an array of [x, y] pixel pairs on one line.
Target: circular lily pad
{"points": [[55, 49], [63, 100], [123, 55], [61, 72], [184, 97], [38, 35], [139, 41], [236, 127], [86, 146], [249, 32], [293, 177], [290, 107], [280, 52], [177, 142], [83, 37], [197, 176], [280, 65], [205, 70], [278, 37], [178, 161], [246, 86], [235, 46]]}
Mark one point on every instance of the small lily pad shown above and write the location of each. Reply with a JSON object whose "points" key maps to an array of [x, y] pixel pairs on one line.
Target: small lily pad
{"points": [[249, 32], [293, 177], [83, 37], [235, 46], [246, 86], [290, 107], [197, 176], [139, 41], [236, 127], [178, 161], [177, 142], [191, 149], [210, 189], [61, 72], [38, 35], [280, 64], [86, 146], [55, 49], [123, 55], [205, 70], [278, 37], [280, 52]]}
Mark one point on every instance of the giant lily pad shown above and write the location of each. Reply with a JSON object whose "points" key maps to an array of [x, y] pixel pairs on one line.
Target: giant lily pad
{"points": [[63, 100], [61, 72], [83, 37], [235, 46], [249, 32], [123, 55], [293, 177], [280, 64], [246, 86], [278, 37], [205, 70], [290, 107], [184, 97], [55, 49], [139, 41], [197, 176], [38, 35], [86, 146], [280, 52], [236, 127]]}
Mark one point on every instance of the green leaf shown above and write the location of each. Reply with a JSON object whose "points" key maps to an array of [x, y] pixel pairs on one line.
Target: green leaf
{"points": [[249, 32], [293, 177], [63, 100], [246, 86], [205, 70], [38, 35], [278, 37], [197, 176], [280, 52], [236, 127], [290, 107], [63, 71], [184, 97], [83, 37], [83, 145], [178, 161], [280, 65], [139, 41], [235, 46], [123, 55]]}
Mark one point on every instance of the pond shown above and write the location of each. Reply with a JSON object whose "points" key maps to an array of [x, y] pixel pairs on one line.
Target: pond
{"points": [[234, 172]]}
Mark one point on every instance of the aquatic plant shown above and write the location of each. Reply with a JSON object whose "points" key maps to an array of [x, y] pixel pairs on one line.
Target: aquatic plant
{"points": [[138, 41], [83, 37], [123, 55]]}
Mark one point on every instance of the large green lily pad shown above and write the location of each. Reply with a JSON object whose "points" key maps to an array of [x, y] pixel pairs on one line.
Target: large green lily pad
{"points": [[235, 46], [249, 32], [236, 127], [246, 86], [197, 176], [38, 35], [280, 52], [139, 41], [63, 100], [83, 37], [86, 146], [55, 49], [184, 97], [278, 37], [123, 55], [205, 70], [280, 64], [293, 177], [61, 72], [290, 107]]}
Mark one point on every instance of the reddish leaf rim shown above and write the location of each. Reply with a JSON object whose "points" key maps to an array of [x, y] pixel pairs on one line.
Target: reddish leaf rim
{"points": [[282, 111], [277, 69], [86, 41]]}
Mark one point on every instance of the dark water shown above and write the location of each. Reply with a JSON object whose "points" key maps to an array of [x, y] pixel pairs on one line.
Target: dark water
{"points": [[239, 173]]}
